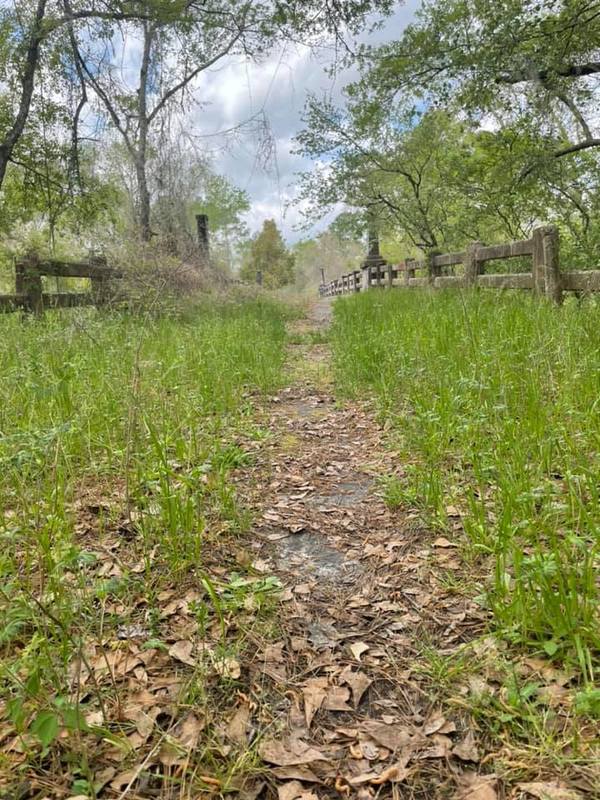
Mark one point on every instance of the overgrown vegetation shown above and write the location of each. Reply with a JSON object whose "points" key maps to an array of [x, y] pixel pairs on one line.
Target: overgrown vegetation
{"points": [[493, 401], [117, 439]]}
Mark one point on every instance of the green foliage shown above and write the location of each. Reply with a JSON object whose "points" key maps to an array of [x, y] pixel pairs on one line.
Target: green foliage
{"points": [[269, 256], [476, 124], [151, 406], [493, 400], [328, 252]]}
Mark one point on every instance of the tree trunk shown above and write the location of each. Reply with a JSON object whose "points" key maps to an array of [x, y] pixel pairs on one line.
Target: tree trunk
{"points": [[143, 198], [32, 56], [142, 149]]}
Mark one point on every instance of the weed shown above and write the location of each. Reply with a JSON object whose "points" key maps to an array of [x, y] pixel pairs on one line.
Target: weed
{"points": [[494, 403], [117, 440]]}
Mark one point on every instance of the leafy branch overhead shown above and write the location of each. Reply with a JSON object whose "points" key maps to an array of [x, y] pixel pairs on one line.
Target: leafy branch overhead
{"points": [[478, 121]]}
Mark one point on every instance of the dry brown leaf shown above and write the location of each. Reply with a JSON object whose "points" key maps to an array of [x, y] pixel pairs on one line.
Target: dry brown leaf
{"points": [[477, 787], [394, 774], [290, 791], [238, 725], [441, 747], [123, 779], [303, 588], [337, 699], [358, 683], [393, 737], [550, 791], [358, 648], [298, 772], [467, 749], [441, 541], [226, 667], [182, 651], [294, 791], [289, 753], [434, 724], [117, 662], [313, 692], [180, 743]]}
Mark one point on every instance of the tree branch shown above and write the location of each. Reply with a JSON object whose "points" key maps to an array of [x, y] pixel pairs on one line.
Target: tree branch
{"points": [[568, 71]]}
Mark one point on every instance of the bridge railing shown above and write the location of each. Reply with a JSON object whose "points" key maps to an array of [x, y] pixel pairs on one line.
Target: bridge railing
{"points": [[439, 270]]}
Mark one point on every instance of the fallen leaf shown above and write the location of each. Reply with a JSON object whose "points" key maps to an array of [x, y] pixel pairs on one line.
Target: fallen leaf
{"points": [[289, 753], [337, 699], [290, 791], [467, 749], [477, 787], [298, 772], [182, 651], [434, 724], [392, 737], [123, 779], [550, 791], [226, 667], [181, 742], [238, 725], [313, 692], [394, 774], [358, 648], [358, 683], [441, 541], [303, 588]]}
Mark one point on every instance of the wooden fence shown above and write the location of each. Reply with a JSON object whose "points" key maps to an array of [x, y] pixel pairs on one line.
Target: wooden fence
{"points": [[29, 294], [439, 270]]}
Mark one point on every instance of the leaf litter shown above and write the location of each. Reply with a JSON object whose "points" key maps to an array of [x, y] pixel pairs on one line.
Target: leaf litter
{"points": [[332, 692]]}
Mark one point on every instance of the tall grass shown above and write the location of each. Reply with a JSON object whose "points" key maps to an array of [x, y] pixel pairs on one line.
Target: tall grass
{"points": [[495, 401], [136, 420]]}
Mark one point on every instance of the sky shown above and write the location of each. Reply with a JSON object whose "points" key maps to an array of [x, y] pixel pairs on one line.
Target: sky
{"points": [[278, 86]]}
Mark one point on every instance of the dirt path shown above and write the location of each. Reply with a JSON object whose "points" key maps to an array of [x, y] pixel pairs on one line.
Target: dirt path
{"points": [[366, 593]]}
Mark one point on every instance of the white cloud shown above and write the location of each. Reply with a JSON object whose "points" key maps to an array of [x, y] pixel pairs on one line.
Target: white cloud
{"points": [[278, 86]]}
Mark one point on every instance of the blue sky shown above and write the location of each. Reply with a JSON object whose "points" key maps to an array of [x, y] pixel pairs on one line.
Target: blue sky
{"points": [[279, 85]]}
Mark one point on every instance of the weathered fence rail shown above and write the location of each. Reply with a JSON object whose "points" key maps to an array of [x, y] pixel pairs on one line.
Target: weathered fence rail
{"points": [[439, 270], [29, 294]]}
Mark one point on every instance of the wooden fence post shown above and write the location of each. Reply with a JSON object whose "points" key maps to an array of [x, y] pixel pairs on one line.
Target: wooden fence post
{"points": [[433, 271], [31, 282], [546, 263], [259, 278], [471, 264], [390, 276], [202, 234], [365, 283], [100, 283], [410, 271]]}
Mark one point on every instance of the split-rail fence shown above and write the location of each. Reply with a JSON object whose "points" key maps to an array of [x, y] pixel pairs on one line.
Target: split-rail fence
{"points": [[439, 271], [30, 296]]}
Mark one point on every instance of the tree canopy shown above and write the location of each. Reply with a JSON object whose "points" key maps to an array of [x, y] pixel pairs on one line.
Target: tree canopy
{"points": [[269, 256], [476, 124]]}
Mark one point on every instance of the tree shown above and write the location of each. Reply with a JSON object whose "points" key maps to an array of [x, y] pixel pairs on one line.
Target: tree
{"points": [[269, 256], [329, 253], [177, 47], [531, 60], [193, 33], [25, 29]]}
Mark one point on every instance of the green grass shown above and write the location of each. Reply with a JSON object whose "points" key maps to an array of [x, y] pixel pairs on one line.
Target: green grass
{"points": [[117, 439], [494, 402]]}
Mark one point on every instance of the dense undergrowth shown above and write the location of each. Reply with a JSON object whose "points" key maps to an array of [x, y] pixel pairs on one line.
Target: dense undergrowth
{"points": [[493, 401], [117, 438]]}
